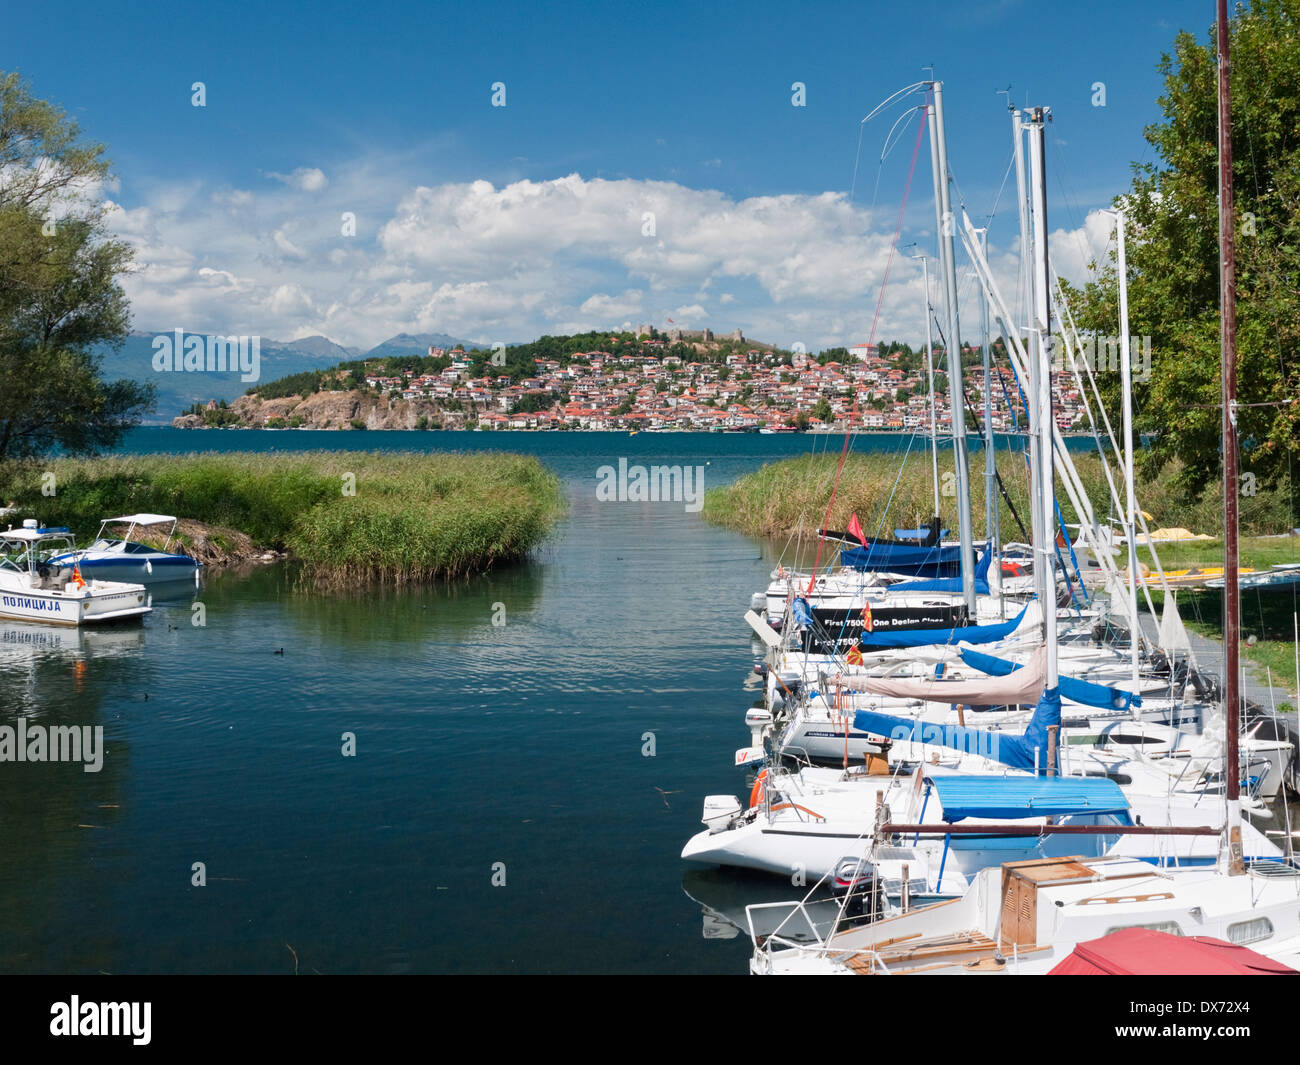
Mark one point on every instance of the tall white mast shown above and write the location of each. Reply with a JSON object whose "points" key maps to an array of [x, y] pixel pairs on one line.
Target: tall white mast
{"points": [[1130, 514], [1039, 336], [947, 227], [929, 371], [1027, 253], [991, 530]]}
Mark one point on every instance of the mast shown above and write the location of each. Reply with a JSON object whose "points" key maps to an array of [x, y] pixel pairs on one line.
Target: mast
{"points": [[1228, 342], [1039, 335], [956, 396], [1130, 505], [929, 371], [990, 461], [1018, 127]]}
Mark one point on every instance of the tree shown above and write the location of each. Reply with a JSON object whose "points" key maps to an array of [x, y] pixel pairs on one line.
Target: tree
{"points": [[1173, 255], [59, 296]]}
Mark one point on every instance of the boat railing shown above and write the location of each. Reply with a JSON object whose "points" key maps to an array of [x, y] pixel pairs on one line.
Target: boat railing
{"points": [[765, 944]]}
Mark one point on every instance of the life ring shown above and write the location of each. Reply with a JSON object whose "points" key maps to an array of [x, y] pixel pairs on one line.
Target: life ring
{"points": [[756, 793]]}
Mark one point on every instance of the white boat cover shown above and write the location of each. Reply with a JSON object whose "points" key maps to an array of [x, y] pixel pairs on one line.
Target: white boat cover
{"points": [[1021, 687], [141, 519]]}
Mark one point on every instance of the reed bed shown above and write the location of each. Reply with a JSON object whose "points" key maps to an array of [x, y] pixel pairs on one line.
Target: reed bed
{"points": [[345, 515], [889, 490]]}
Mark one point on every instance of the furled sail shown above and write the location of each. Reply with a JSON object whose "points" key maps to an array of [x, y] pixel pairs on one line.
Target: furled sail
{"points": [[1077, 691], [1019, 752], [1023, 686], [879, 641]]}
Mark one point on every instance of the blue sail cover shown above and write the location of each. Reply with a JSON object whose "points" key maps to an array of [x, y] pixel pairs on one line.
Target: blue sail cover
{"points": [[1018, 752], [936, 561], [952, 584], [880, 641], [1008, 798], [802, 612], [917, 534], [1078, 691]]}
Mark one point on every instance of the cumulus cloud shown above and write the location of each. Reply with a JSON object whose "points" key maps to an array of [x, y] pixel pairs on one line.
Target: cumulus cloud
{"points": [[488, 263]]}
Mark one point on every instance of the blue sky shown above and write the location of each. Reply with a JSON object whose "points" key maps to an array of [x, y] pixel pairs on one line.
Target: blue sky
{"points": [[505, 222]]}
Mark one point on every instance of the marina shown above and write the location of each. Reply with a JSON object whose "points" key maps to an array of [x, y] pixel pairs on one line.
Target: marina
{"points": [[726, 499]]}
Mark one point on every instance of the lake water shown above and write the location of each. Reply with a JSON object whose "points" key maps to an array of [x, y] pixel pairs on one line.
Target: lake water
{"points": [[476, 744], [516, 752]]}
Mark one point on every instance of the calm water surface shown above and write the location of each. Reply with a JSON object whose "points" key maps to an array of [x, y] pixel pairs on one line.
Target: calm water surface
{"points": [[520, 744], [476, 744]]}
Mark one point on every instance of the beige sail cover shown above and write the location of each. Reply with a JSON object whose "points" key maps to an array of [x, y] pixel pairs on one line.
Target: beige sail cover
{"points": [[1020, 687]]}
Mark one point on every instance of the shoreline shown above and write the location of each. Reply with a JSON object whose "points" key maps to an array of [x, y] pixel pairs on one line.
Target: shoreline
{"points": [[344, 515]]}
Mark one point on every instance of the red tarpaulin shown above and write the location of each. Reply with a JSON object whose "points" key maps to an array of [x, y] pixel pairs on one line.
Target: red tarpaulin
{"points": [[1145, 952]]}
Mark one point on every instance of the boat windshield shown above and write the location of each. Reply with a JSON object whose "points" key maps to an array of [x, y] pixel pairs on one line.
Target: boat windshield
{"points": [[53, 546], [13, 555]]}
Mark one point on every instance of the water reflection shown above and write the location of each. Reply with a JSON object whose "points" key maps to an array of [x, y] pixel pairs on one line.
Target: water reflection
{"points": [[724, 895], [55, 817]]}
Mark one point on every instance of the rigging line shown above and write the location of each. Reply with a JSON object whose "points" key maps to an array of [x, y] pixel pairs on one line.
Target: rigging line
{"points": [[1011, 162], [893, 248], [853, 185]]}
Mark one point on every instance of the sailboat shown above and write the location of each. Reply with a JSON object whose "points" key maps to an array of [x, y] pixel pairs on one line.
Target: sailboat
{"points": [[1028, 916]]}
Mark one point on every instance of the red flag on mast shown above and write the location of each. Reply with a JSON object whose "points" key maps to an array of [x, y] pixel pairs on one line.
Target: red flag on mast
{"points": [[855, 529]]}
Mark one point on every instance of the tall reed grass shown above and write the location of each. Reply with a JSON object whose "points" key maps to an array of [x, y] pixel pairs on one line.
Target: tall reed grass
{"points": [[889, 491], [349, 515]]}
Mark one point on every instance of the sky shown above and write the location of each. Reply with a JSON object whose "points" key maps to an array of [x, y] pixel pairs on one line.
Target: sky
{"points": [[651, 162]]}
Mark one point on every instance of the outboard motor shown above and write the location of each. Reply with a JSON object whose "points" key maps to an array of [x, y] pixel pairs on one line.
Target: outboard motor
{"points": [[855, 880]]}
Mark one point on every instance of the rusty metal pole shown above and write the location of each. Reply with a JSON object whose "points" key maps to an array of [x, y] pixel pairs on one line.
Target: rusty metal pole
{"points": [[1228, 342]]}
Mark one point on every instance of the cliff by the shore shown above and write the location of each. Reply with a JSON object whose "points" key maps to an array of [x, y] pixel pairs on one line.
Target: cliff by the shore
{"points": [[330, 410]]}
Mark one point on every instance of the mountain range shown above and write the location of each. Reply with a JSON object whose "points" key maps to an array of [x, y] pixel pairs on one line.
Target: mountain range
{"points": [[133, 360]]}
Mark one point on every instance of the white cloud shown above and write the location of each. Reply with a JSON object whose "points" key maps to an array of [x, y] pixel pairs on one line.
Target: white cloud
{"points": [[491, 263], [305, 178]]}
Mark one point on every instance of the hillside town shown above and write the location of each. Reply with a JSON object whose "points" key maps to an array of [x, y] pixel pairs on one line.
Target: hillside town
{"points": [[753, 390], [646, 381]]}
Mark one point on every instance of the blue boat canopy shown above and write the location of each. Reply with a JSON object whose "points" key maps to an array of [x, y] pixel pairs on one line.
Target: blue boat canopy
{"points": [[1008, 798], [952, 584], [1020, 752], [1078, 691], [916, 561]]}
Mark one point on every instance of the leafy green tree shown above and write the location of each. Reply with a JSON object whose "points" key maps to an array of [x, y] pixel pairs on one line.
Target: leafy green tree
{"points": [[1173, 254], [59, 296]]}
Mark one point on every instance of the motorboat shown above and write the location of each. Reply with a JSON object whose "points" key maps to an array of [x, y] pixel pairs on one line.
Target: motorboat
{"points": [[123, 559], [34, 588]]}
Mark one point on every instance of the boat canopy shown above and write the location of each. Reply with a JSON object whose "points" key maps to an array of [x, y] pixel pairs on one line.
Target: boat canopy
{"points": [[927, 536], [951, 584], [1137, 951], [1008, 798], [1077, 691], [1019, 752], [139, 519], [917, 534], [879, 641], [911, 559]]}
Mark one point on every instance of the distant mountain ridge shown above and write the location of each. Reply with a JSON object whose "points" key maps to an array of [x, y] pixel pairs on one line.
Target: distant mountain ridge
{"points": [[133, 360]]}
